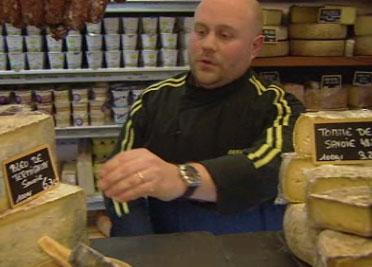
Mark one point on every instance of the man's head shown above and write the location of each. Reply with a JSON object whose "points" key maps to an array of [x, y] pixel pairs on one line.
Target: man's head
{"points": [[226, 37]]}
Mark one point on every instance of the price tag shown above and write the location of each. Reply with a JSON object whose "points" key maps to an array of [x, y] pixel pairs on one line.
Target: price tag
{"points": [[29, 174], [329, 15], [362, 78], [343, 143], [270, 77], [331, 82], [270, 35]]}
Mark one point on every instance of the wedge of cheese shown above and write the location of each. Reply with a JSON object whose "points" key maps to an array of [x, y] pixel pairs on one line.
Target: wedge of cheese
{"points": [[272, 17], [317, 31], [343, 209], [303, 137], [59, 213], [328, 177], [293, 180], [317, 48], [299, 235], [19, 133], [337, 249]]}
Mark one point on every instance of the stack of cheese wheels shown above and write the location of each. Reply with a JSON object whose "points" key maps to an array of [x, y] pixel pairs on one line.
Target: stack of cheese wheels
{"points": [[328, 221], [363, 36], [276, 35], [313, 36]]}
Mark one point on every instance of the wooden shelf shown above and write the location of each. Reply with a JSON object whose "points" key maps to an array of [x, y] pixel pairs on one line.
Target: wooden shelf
{"points": [[313, 61]]}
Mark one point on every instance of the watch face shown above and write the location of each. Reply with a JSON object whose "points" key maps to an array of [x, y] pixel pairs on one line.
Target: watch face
{"points": [[190, 175]]}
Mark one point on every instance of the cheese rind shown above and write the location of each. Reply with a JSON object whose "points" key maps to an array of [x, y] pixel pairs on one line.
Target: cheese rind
{"points": [[348, 13], [278, 49], [281, 32], [317, 31], [337, 249], [343, 209], [300, 236], [363, 45], [303, 137], [20, 133], [363, 26], [59, 213], [317, 48], [293, 181], [328, 177], [272, 17]]}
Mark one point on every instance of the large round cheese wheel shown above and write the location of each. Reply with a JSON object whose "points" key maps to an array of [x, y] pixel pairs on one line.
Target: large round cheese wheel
{"points": [[272, 17], [317, 48], [317, 31], [363, 25], [299, 235], [275, 49]]}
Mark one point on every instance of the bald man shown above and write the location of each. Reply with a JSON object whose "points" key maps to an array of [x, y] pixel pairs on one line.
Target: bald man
{"points": [[201, 151]]}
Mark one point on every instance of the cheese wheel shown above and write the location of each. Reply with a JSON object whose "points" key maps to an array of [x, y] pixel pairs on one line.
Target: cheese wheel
{"points": [[303, 137], [317, 31], [337, 249], [272, 17], [363, 25], [299, 235], [304, 14], [278, 49], [348, 13], [363, 46], [347, 209], [328, 177], [292, 177], [317, 48], [278, 33]]}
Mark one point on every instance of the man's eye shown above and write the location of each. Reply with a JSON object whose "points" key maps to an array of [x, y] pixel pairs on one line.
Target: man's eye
{"points": [[226, 35]]}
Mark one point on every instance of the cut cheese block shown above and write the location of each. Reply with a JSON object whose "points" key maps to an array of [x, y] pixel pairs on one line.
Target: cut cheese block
{"points": [[328, 177], [22, 132], [298, 90], [272, 17], [343, 250], [363, 25], [278, 49], [275, 33], [343, 209], [304, 14], [299, 235], [337, 14], [59, 213], [292, 177], [359, 96], [317, 31], [363, 46], [303, 138], [317, 48]]}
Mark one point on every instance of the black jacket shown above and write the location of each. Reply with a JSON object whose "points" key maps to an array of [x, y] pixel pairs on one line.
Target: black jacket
{"points": [[237, 132]]}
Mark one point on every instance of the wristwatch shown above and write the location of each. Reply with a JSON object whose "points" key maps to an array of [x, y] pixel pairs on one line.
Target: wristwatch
{"points": [[191, 177]]}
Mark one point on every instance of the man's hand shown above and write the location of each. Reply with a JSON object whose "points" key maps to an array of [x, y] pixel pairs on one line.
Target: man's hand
{"points": [[139, 173]]}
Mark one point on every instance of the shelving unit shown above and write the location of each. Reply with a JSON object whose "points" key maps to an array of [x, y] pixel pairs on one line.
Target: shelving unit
{"points": [[104, 131]]}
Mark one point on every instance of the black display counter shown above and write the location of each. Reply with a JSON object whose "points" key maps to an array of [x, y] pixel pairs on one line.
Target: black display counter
{"points": [[201, 249]]}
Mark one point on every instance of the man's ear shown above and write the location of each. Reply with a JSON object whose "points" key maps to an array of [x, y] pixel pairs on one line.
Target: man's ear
{"points": [[257, 46]]}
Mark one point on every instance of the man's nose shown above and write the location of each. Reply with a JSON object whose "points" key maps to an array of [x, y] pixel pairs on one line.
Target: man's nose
{"points": [[209, 41]]}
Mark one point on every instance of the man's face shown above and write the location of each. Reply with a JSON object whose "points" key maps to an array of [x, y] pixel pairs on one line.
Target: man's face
{"points": [[223, 43]]}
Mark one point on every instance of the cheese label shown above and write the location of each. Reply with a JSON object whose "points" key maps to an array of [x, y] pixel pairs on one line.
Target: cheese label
{"points": [[329, 15], [331, 82], [362, 78], [270, 77], [29, 174], [270, 35], [343, 142]]}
